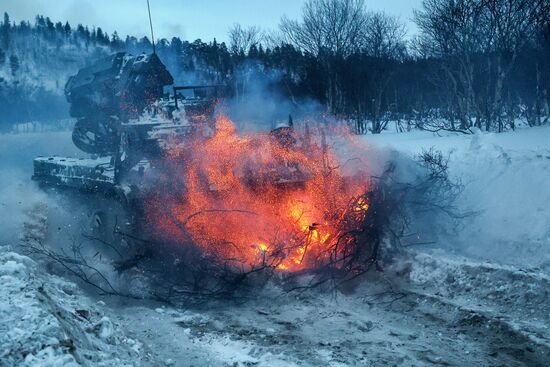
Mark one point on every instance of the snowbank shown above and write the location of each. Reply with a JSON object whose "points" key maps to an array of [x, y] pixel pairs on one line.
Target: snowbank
{"points": [[45, 321]]}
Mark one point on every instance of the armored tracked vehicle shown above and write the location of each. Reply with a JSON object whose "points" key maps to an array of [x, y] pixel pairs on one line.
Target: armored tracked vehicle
{"points": [[125, 122], [109, 100]]}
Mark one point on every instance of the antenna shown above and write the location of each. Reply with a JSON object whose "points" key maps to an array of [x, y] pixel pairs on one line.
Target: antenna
{"points": [[151, 24]]}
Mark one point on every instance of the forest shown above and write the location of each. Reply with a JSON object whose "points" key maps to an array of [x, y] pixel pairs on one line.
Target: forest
{"points": [[474, 64]]}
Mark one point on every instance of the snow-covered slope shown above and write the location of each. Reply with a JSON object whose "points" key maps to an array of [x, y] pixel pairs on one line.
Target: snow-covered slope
{"points": [[506, 181]]}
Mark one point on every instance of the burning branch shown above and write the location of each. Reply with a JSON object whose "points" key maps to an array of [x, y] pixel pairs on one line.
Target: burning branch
{"points": [[208, 211]]}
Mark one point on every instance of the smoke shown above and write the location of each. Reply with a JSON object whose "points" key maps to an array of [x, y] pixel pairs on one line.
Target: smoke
{"points": [[259, 101], [18, 194], [504, 178], [16, 199], [58, 218]]}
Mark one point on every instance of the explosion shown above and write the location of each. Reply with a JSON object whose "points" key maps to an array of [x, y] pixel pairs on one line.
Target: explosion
{"points": [[278, 199]]}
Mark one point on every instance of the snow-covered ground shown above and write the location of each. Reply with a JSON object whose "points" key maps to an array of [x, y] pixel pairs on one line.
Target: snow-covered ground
{"points": [[506, 181], [479, 297], [46, 321]]}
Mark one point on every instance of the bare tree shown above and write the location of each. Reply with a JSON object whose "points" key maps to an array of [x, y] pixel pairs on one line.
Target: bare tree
{"points": [[511, 25], [479, 42], [241, 39], [384, 36], [334, 26], [451, 30], [383, 39], [330, 30]]}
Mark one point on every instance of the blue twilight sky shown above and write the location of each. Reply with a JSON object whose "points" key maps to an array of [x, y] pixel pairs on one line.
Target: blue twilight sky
{"points": [[188, 19]]}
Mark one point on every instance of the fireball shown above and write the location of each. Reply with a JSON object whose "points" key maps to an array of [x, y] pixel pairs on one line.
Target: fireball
{"points": [[279, 200]]}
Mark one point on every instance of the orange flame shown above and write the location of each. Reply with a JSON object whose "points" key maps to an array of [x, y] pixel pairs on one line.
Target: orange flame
{"points": [[273, 199]]}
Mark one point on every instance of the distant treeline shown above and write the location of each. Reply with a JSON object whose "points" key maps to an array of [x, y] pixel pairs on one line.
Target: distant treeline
{"points": [[475, 63]]}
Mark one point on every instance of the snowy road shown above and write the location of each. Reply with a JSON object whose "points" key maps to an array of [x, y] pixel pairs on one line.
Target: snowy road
{"points": [[446, 311]]}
